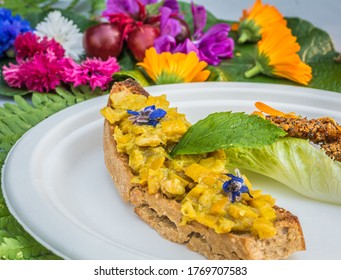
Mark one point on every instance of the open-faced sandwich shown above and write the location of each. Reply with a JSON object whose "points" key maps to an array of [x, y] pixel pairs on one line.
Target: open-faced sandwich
{"points": [[190, 199]]}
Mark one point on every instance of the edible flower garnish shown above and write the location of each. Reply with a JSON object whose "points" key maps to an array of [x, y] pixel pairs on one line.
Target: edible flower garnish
{"points": [[235, 187], [277, 56], [211, 46], [268, 110], [167, 68], [10, 28], [93, 72], [147, 116], [170, 28], [133, 8], [42, 66], [64, 31], [256, 19]]}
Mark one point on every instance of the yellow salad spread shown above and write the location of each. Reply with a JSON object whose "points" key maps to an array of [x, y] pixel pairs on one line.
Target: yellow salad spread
{"points": [[147, 129]]}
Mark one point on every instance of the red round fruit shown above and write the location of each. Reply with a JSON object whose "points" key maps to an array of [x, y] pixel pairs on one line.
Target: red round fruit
{"points": [[141, 39], [103, 40]]}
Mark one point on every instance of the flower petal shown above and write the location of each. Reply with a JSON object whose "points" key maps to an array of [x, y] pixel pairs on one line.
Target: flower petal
{"points": [[199, 19]]}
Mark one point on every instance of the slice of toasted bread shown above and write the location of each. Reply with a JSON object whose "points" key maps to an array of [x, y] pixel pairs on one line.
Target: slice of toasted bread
{"points": [[164, 215]]}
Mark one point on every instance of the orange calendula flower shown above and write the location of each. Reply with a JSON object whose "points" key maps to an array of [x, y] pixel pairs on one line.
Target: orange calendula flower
{"points": [[277, 56], [254, 20], [267, 110], [168, 68]]}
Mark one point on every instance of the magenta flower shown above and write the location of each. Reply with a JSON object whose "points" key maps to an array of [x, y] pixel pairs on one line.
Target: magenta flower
{"points": [[40, 65], [42, 73], [93, 72], [28, 44], [12, 75]]}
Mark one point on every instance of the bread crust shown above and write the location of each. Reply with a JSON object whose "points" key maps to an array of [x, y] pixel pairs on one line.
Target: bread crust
{"points": [[164, 215]]}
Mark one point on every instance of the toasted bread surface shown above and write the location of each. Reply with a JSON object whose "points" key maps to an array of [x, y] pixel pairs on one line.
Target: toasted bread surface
{"points": [[164, 215]]}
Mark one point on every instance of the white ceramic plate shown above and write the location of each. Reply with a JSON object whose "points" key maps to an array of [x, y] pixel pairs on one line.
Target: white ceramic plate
{"points": [[56, 184]]}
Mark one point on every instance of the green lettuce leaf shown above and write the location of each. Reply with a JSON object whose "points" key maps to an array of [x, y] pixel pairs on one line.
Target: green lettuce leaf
{"points": [[295, 163]]}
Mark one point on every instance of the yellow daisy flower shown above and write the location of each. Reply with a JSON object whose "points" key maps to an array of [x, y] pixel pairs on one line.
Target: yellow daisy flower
{"points": [[277, 56], [168, 68], [256, 19]]}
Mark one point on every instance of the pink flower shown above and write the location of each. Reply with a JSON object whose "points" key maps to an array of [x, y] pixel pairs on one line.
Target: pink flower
{"points": [[12, 75], [43, 73], [42, 66], [93, 72], [29, 44]]}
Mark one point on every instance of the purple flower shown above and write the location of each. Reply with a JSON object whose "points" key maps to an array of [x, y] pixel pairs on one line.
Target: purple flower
{"points": [[173, 5], [147, 116], [211, 46], [130, 8], [199, 20], [10, 28], [235, 187], [186, 47], [169, 29], [214, 44]]}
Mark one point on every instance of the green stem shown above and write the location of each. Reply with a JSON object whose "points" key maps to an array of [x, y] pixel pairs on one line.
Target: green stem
{"points": [[244, 36], [253, 71], [49, 5], [72, 5]]}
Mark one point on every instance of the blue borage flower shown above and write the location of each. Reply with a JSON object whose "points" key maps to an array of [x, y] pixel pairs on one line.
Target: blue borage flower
{"points": [[235, 187], [147, 116], [10, 28]]}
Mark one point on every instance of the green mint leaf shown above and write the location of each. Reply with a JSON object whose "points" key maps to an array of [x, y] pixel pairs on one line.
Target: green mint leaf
{"points": [[225, 130]]}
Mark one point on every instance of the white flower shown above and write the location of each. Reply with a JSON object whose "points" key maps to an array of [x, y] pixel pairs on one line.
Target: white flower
{"points": [[64, 31]]}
